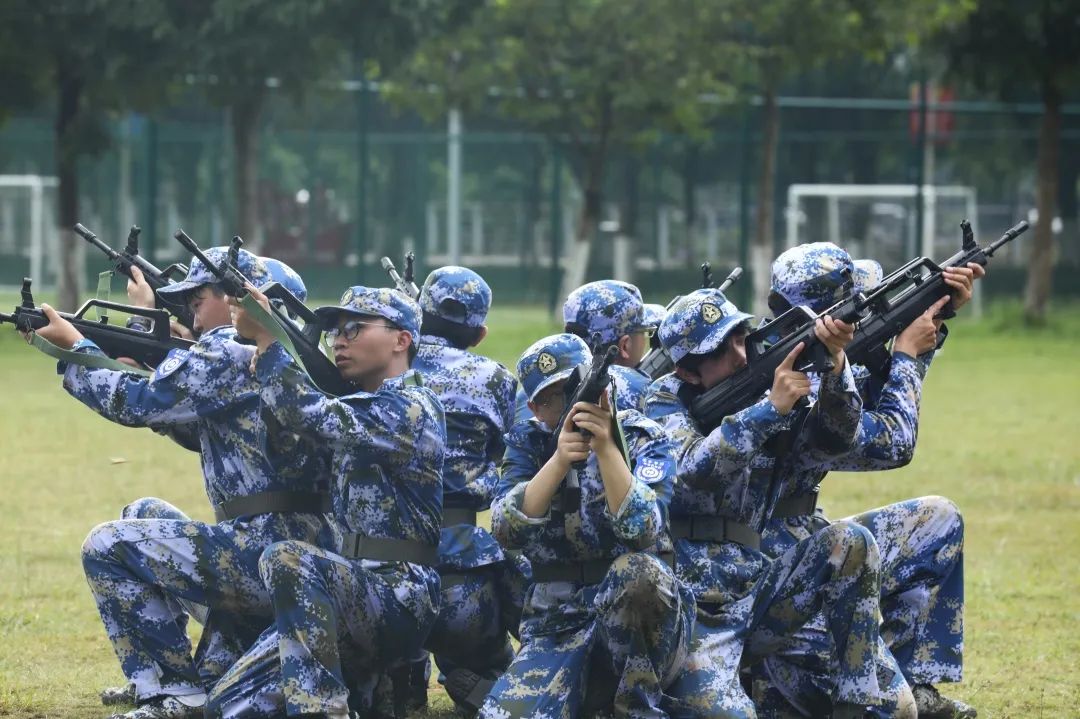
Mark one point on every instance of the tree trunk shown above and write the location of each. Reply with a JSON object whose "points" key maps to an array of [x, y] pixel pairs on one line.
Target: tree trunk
{"points": [[245, 135], [70, 88], [578, 260], [1040, 267], [762, 250], [626, 241]]}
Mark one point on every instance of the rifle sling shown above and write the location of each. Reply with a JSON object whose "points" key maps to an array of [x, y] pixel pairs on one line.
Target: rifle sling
{"points": [[83, 359], [709, 528], [381, 549], [276, 502]]}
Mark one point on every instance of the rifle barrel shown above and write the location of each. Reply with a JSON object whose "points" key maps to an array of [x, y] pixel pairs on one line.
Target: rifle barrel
{"points": [[731, 279], [90, 237], [1010, 234]]}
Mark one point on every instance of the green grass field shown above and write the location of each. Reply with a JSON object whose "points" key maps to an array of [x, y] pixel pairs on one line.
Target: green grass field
{"points": [[999, 436]]}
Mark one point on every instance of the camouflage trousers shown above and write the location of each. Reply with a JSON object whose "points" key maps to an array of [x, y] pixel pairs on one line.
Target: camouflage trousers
{"points": [[143, 572], [225, 636], [922, 607], [832, 573], [479, 610], [632, 631], [338, 625]]}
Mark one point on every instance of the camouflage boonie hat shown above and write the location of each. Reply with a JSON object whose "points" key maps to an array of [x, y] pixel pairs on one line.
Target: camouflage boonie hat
{"points": [[384, 302], [868, 275], [607, 309], [653, 315], [251, 266], [817, 275], [699, 322], [549, 360], [456, 294], [286, 277]]}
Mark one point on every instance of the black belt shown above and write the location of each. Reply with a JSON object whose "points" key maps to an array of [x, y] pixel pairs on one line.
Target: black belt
{"points": [[799, 505], [587, 571], [702, 527], [380, 549], [273, 503], [452, 516]]}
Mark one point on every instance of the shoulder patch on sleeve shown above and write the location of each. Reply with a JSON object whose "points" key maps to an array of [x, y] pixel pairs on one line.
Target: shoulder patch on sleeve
{"points": [[172, 362], [648, 470]]}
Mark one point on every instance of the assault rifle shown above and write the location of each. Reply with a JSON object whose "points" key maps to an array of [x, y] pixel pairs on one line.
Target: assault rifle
{"points": [[284, 306], [145, 347], [911, 290], [657, 362], [585, 384], [766, 348], [404, 284], [129, 257]]}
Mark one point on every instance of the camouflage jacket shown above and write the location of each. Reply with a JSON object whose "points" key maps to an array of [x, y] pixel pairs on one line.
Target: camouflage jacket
{"points": [[477, 395]]}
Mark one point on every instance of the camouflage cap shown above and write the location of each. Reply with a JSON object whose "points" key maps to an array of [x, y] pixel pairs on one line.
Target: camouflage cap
{"points": [[653, 315], [817, 275], [607, 310], [456, 294], [868, 275], [384, 302], [549, 360], [286, 277], [698, 323], [251, 266]]}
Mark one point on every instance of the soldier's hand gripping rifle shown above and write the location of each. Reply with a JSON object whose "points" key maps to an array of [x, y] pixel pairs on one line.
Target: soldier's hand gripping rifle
{"points": [[301, 340], [585, 384], [404, 284], [911, 290], [766, 349], [145, 347], [657, 362], [129, 257]]}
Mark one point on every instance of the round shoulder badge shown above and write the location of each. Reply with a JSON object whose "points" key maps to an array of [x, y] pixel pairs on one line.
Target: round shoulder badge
{"points": [[546, 362], [711, 313], [171, 363], [347, 297]]}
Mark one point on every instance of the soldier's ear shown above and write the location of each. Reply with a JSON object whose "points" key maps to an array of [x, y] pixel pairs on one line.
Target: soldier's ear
{"points": [[480, 335], [688, 376], [624, 347]]}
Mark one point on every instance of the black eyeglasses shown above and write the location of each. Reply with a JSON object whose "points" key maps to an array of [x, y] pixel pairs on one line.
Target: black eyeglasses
{"points": [[351, 329]]}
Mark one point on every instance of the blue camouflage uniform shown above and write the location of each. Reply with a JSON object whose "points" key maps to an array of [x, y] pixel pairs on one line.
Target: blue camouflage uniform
{"points": [[625, 622], [743, 597], [920, 540], [483, 587], [344, 617], [142, 567]]}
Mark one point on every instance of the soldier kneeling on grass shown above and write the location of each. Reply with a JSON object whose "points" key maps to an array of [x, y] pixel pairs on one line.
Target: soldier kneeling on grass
{"points": [[605, 609]]}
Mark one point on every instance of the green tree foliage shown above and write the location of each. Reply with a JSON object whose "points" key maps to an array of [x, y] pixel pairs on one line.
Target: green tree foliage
{"points": [[89, 58], [783, 38], [1019, 49], [593, 74]]}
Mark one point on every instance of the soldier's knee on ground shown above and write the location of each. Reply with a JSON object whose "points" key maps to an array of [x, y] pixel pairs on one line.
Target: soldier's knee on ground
{"points": [[148, 508], [642, 579], [851, 547], [100, 541], [944, 513], [280, 562]]}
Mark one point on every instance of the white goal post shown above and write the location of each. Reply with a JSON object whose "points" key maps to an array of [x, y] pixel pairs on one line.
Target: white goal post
{"points": [[943, 205], [26, 220]]}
